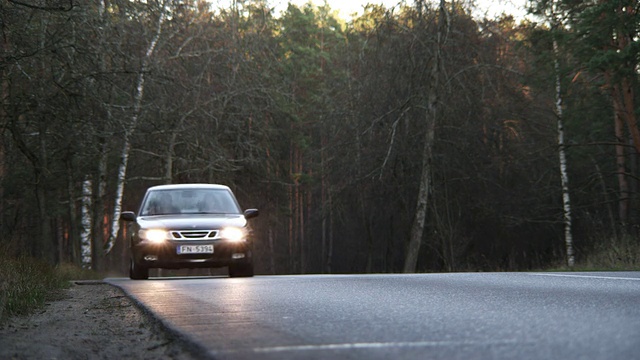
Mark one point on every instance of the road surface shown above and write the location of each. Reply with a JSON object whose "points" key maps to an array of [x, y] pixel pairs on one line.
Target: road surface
{"points": [[422, 316]]}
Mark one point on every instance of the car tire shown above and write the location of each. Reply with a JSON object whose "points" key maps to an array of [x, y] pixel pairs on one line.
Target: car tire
{"points": [[241, 270], [137, 272]]}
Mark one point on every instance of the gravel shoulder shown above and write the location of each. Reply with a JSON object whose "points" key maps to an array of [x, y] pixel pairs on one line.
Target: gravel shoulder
{"points": [[90, 320]]}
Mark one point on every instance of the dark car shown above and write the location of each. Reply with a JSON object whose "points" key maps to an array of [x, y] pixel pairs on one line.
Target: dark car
{"points": [[189, 226]]}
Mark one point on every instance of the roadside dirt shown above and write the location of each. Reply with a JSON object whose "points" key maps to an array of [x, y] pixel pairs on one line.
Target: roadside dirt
{"points": [[90, 320]]}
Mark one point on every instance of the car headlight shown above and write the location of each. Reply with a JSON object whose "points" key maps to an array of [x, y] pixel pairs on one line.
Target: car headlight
{"points": [[154, 235], [232, 234]]}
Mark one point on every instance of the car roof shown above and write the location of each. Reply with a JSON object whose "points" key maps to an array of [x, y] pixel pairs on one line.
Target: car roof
{"points": [[188, 186]]}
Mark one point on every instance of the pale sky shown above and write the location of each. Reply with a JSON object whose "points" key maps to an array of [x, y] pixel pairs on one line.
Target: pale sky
{"points": [[347, 7], [489, 8]]}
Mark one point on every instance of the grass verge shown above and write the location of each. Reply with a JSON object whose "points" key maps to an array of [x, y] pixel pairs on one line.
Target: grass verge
{"points": [[27, 283], [614, 255], [606, 254]]}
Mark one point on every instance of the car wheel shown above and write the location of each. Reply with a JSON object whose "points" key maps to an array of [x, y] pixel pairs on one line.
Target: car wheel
{"points": [[137, 272], [241, 270]]}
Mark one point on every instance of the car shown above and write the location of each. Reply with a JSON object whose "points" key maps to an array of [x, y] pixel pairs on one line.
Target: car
{"points": [[189, 226]]}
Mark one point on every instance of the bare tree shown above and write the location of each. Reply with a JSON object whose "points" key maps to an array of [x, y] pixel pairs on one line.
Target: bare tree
{"points": [[130, 128], [431, 112]]}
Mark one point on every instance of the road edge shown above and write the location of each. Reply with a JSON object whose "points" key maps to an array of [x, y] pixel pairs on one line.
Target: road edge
{"points": [[189, 344]]}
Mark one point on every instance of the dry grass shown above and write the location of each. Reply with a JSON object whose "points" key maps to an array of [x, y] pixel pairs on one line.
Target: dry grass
{"points": [[608, 254], [614, 254], [27, 283]]}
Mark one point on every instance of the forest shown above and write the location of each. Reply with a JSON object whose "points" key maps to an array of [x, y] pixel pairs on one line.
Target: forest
{"points": [[417, 138]]}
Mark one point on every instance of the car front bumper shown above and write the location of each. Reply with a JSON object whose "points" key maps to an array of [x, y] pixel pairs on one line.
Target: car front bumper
{"points": [[165, 255]]}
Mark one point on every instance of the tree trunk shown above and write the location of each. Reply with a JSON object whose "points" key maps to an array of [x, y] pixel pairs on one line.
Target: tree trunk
{"points": [[272, 262], [168, 170], [621, 168], [603, 184], [417, 229], [628, 111], [301, 219], [566, 200], [323, 202], [623, 40], [291, 210], [129, 130], [73, 231], [94, 223], [44, 246], [96, 202], [85, 235], [621, 86], [4, 93], [329, 261]]}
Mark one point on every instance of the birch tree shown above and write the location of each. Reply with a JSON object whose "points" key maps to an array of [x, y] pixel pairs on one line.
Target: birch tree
{"points": [[566, 200], [85, 234], [130, 128], [602, 41], [554, 19], [603, 34]]}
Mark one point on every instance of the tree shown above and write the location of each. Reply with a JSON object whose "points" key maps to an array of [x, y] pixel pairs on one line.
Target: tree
{"points": [[130, 126], [431, 111], [601, 40], [557, 28]]}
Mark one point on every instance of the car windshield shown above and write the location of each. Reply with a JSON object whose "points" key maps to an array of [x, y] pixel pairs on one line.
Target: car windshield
{"points": [[189, 201]]}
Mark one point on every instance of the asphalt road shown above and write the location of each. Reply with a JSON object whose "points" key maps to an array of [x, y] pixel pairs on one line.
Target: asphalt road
{"points": [[428, 316]]}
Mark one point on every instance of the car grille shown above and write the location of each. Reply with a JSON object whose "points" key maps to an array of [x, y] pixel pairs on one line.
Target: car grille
{"points": [[194, 234]]}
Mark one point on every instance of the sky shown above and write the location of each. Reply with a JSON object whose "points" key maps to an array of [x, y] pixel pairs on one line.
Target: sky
{"points": [[347, 7]]}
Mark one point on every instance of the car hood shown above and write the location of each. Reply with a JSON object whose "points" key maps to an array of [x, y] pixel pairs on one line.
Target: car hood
{"points": [[195, 222]]}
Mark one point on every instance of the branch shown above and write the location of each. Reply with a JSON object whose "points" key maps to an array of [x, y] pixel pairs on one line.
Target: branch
{"points": [[393, 136], [44, 8]]}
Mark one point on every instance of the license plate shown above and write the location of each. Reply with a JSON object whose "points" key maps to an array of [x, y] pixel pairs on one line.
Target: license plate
{"points": [[195, 249]]}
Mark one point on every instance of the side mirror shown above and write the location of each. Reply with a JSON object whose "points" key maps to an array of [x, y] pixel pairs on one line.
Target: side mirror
{"points": [[128, 216], [251, 213]]}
